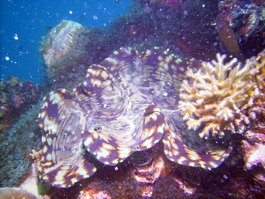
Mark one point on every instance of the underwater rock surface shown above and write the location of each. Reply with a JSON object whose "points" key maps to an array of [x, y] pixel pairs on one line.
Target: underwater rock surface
{"points": [[66, 50]]}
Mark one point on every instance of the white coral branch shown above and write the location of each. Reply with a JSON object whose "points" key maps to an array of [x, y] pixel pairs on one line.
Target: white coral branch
{"points": [[217, 91]]}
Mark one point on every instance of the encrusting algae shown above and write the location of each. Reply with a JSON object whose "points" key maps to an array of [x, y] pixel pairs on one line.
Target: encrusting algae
{"points": [[213, 95]]}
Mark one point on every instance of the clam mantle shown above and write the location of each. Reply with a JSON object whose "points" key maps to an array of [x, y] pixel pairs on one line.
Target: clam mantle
{"points": [[127, 103]]}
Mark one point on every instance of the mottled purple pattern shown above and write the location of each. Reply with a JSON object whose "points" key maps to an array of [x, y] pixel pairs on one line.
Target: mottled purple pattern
{"points": [[127, 103]]}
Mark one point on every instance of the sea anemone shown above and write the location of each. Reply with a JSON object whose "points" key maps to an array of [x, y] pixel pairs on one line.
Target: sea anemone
{"points": [[213, 95]]}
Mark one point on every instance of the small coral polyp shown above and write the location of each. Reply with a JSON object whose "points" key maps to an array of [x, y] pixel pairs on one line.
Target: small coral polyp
{"points": [[213, 95]]}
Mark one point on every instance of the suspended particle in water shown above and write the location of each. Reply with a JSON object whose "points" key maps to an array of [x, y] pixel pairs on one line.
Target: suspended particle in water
{"points": [[16, 37]]}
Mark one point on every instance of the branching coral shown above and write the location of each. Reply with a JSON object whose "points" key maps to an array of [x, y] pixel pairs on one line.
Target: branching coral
{"points": [[214, 94]]}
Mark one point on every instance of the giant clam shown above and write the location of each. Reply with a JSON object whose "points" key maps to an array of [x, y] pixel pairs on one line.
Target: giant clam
{"points": [[127, 103]]}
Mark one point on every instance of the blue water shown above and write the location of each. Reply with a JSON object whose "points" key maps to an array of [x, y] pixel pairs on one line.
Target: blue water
{"points": [[24, 23]]}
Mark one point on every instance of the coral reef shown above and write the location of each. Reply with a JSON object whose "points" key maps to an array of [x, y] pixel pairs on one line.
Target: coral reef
{"points": [[141, 173], [67, 51], [59, 41], [16, 143], [247, 18], [221, 99], [168, 26], [174, 181], [126, 104], [253, 144], [218, 91], [147, 23], [255, 154], [19, 133], [15, 97], [120, 133], [241, 26]]}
